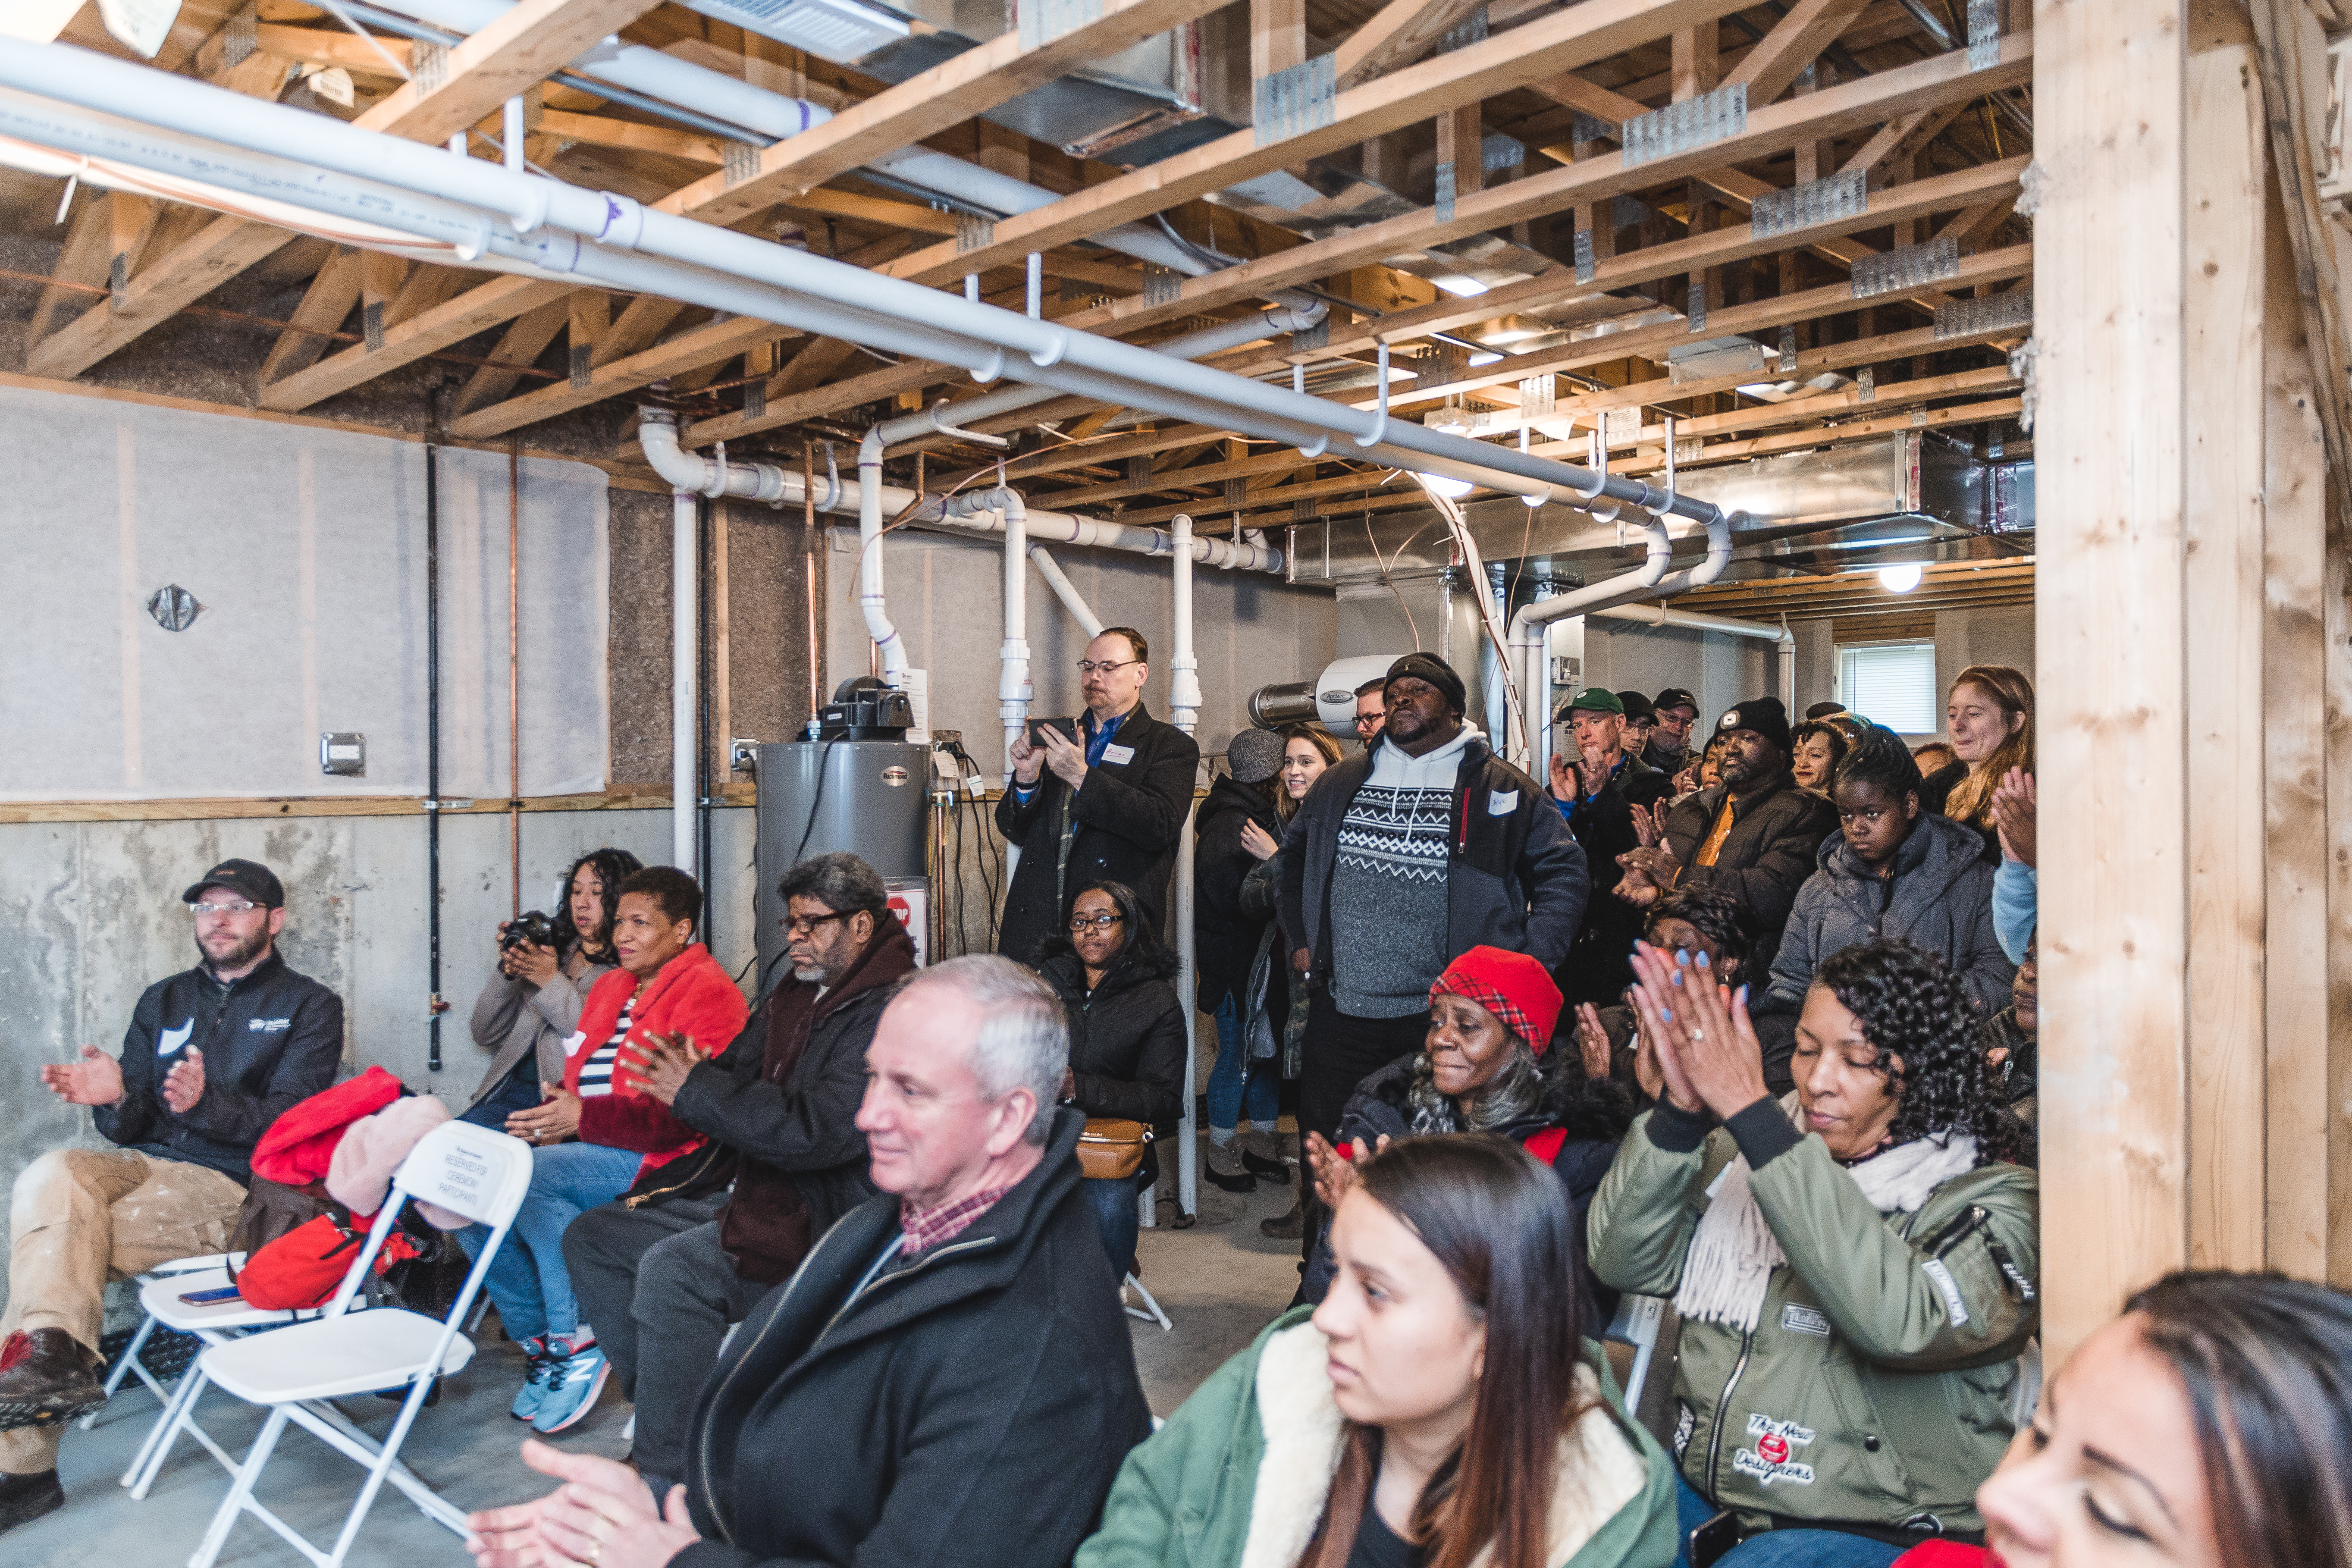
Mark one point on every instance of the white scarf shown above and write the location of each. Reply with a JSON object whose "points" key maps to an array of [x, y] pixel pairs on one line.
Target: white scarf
{"points": [[1733, 1252]]}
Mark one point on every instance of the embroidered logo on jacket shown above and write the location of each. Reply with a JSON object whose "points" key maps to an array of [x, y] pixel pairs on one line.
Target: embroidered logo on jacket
{"points": [[1769, 1460], [170, 1040], [1684, 1424], [268, 1026]]}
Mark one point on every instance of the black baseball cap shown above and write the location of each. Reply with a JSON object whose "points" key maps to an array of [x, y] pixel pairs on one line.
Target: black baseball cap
{"points": [[1638, 709], [1676, 697], [248, 878]]}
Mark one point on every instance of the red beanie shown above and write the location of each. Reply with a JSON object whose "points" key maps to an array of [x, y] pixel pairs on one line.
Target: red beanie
{"points": [[1511, 985]]}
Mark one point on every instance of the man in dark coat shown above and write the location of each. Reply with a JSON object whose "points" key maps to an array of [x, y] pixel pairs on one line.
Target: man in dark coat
{"points": [[1755, 836], [1597, 784], [1111, 806], [663, 1271], [948, 1379]]}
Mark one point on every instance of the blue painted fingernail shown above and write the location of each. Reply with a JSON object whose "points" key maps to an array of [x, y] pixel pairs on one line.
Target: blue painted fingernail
{"points": [[1741, 993], [1682, 956], [1701, 959], [1667, 1014]]}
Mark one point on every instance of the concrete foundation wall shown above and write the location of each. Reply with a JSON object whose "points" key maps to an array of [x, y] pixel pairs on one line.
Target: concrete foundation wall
{"points": [[90, 916]]}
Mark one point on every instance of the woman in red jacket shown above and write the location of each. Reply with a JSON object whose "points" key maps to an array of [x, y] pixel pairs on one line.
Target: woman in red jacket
{"points": [[594, 1136]]}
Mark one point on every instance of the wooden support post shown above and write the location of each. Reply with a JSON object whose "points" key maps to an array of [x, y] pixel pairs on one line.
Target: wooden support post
{"points": [[1278, 36], [2110, 613]]}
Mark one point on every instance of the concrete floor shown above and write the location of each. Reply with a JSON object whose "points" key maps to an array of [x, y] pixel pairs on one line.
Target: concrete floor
{"points": [[1219, 1280]]}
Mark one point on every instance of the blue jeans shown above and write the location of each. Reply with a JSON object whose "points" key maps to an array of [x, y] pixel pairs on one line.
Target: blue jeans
{"points": [[528, 1279], [1121, 1220], [1239, 1086], [518, 1092], [1779, 1548]]}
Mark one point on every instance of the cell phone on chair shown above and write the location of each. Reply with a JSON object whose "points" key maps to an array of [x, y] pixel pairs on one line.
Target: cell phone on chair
{"points": [[1710, 1541], [1068, 728], [209, 1298]]}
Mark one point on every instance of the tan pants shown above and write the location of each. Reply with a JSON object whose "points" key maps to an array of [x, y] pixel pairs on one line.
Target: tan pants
{"points": [[82, 1216]]}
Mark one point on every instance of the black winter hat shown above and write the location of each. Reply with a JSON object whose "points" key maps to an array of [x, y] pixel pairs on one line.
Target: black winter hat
{"points": [[1763, 715], [1436, 671]]}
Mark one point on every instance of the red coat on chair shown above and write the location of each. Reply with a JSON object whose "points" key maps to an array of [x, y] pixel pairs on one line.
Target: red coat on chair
{"points": [[690, 996]]}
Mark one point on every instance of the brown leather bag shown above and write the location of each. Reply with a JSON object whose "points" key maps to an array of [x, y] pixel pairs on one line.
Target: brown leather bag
{"points": [[1111, 1148]]}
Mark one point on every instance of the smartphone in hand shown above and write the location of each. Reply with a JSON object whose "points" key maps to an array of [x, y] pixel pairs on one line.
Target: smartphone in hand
{"points": [[1068, 728]]}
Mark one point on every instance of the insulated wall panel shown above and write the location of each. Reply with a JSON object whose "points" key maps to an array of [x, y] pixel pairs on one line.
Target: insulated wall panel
{"points": [[305, 549]]}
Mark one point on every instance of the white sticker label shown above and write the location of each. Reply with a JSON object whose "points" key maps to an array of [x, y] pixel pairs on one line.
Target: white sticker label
{"points": [[1501, 802], [1118, 753], [170, 1040], [1957, 1309], [1769, 1460], [1799, 1320], [577, 1039]]}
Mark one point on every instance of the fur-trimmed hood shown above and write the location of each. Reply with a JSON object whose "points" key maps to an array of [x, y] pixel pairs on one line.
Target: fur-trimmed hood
{"points": [[1599, 1471]]}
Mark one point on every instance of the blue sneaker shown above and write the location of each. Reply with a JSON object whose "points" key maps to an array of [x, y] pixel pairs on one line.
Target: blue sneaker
{"points": [[534, 1381], [575, 1377]]}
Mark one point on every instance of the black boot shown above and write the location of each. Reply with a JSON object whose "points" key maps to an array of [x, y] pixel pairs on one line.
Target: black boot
{"points": [[1224, 1167], [1259, 1157], [1287, 1227], [24, 1498], [47, 1378]]}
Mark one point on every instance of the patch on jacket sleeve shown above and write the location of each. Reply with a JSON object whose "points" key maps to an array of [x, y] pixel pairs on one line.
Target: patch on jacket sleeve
{"points": [[1686, 1423], [1953, 1305], [170, 1040], [1769, 1461], [1800, 1319]]}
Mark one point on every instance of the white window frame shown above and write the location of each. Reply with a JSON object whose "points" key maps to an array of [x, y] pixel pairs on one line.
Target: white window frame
{"points": [[1925, 649]]}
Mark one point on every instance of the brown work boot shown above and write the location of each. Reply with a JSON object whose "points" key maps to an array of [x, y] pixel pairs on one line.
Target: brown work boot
{"points": [[24, 1498], [47, 1378]]}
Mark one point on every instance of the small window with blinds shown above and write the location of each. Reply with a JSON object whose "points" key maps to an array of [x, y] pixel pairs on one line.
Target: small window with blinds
{"points": [[1893, 684]]}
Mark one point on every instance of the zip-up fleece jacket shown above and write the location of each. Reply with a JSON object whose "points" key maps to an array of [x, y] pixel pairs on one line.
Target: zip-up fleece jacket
{"points": [[691, 996], [1515, 877], [1939, 898], [1877, 1388], [1776, 835], [1242, 1473], [270, 1039]]}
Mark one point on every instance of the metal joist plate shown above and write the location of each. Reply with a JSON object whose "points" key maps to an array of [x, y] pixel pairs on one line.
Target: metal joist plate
{"points": [[1586, 266], [1446, 185], [1972, 318], [1681, 127], [1908, 267], [1295, 101], [1838, 197], [1984, 34], [973, 233]]}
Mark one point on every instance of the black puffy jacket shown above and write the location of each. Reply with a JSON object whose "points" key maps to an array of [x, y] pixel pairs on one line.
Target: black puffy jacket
{"points": [[1126, 1036], [1224, 933]]}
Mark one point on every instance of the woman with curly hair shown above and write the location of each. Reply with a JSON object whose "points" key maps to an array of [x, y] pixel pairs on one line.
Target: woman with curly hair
{"points": [[1818, 747], [1855, 1264]]}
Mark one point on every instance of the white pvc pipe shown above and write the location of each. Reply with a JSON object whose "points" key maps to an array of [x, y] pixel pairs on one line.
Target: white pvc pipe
{"points": [[1067, 591], [685, 613], [1655, 615], [869, 562], [1183, 711], [1013, 678]]}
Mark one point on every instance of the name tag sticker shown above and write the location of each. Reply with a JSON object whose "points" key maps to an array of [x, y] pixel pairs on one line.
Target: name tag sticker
{"points": [[571, 1045], [1954, 1306], [1118, 753], [1501, 802]]}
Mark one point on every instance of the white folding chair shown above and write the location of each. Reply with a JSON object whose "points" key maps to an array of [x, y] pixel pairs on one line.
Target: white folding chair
{"points": [[474, 1171], [1636, 1325], [1155, 1315], [128, 1363]]}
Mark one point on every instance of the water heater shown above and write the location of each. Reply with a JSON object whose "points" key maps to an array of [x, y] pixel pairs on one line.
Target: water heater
{"points": [[868, 797]]}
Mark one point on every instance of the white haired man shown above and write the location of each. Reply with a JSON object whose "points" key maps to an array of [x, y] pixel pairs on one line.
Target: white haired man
{"points": [[947, 1378]]}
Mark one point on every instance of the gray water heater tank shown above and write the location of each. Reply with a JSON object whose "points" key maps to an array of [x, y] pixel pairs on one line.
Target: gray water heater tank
{"points": [[868, 797]]}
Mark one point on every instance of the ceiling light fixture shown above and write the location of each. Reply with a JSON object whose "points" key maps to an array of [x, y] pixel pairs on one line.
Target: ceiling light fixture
{"points": [[1900, 579]]}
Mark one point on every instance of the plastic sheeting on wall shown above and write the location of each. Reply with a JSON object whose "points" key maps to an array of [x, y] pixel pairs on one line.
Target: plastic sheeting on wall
{"points": [[305, 549]]}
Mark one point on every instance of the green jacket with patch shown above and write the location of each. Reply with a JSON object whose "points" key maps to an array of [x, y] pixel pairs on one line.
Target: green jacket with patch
{"points": [[1240, 1475], [1878, 1385]]}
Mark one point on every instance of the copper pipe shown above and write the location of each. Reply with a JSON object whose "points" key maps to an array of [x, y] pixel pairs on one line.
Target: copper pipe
{"points": [[514, 670], [808, 542]]}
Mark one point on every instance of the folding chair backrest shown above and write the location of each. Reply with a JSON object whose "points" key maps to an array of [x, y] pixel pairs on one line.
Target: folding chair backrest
{"points": [[1636, 1325], [476, 1172]]}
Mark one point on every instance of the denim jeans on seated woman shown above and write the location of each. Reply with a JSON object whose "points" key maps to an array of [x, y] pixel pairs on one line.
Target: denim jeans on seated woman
{"points": [[1779, 1548], [1121, 1220], [518, 1091], [528, 1279]]}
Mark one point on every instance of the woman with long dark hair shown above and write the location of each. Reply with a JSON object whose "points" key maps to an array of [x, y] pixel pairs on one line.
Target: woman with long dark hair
{"points": [[531, 1005], [1438, 1408], [1855, 1264], [1126, 1038]]}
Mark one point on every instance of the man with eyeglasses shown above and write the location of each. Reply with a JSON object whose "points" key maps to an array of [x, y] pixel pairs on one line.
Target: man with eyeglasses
{"points": [[212, 1057], [1371, 711], [662, 1274], [1109, 807]]}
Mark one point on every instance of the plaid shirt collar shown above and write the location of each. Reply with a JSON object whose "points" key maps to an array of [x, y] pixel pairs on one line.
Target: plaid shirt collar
{"points": [[924, 1230]]}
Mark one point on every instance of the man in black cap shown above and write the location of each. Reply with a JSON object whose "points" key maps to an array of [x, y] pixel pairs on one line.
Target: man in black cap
{"points": [[1400, 861], [1641, 723], [1755, 836], [1670, 751], [211, 1058], [1597, 787]]}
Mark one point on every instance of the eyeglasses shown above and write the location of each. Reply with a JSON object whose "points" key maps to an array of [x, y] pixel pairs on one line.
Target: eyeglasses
{"points": [[1104, 667], [807, 927], [1079, 924], [234, 906], [1363, 719]]}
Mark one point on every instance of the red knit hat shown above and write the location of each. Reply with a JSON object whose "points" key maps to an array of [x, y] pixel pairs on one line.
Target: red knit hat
{"points": [[1511, 985]]}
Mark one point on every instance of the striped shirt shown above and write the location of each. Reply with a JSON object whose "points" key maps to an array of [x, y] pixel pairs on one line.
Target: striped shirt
{"points": [[596, 1072]]}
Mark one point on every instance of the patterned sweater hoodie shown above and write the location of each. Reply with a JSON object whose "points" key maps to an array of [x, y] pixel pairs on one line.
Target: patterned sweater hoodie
{"points": [[1388, 883]]}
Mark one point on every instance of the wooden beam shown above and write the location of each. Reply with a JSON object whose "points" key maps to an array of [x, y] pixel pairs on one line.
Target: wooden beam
{"points": [[333, 45], [1277, 37], [926, 104], [714, 341], [1578, 36], [328, 301], [2109, 610], [84, 259], [1398, 34], [526, 338], [475, 310], [180, 276], [1794, 43], [514, 53]]}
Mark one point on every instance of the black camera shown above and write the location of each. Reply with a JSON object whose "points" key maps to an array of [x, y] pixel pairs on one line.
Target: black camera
{"points": [[536, 927]]}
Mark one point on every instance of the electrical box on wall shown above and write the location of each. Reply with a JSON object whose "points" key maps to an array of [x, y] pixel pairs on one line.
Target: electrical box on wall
{"points": [[344, 753]]}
